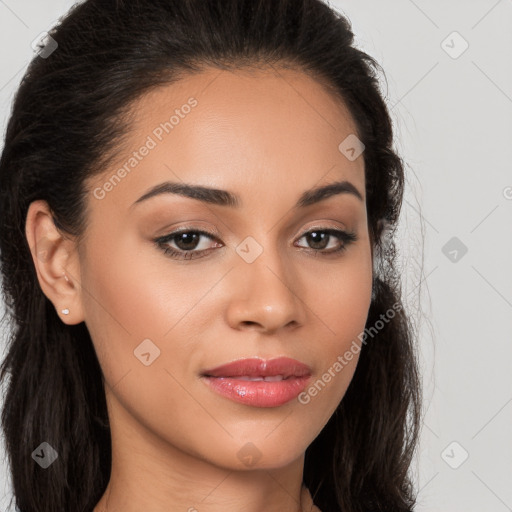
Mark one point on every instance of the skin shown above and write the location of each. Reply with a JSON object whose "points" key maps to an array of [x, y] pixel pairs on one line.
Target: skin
{"points": [[267, 136]]}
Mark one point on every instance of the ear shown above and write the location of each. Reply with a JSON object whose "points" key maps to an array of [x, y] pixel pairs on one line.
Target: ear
{"points": [[56, 262]]}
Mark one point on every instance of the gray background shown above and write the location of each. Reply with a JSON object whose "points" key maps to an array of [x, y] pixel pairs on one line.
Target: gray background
{"points": [[453, 119]]}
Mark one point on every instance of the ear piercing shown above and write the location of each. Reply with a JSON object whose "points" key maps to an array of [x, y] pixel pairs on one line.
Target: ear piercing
{"points": [[65, 311]]}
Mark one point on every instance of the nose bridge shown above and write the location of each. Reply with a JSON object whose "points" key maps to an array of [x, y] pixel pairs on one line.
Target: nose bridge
{"points": [[267, 291]]}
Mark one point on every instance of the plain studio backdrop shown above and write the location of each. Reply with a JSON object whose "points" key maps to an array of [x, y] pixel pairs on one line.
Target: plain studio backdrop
{"points": [[448, 67]]}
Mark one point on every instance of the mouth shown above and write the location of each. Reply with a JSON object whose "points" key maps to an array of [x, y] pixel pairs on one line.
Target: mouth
{"points": [[258, 382]]}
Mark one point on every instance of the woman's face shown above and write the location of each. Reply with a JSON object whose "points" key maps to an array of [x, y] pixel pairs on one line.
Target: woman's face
{"points": [[253, 288]]}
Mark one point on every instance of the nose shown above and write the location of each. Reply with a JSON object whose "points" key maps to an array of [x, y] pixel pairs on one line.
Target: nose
{"points": [[265, 295]]}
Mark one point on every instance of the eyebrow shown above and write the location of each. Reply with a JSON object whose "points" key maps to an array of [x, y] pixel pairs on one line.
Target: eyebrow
{"points": [[224, 198]]}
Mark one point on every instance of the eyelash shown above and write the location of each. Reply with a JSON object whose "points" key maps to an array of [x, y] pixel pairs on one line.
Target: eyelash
{"points": [[348, 237]]}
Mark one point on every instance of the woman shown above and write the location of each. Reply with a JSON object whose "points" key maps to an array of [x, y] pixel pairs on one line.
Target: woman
{"points": [[198, 200]]}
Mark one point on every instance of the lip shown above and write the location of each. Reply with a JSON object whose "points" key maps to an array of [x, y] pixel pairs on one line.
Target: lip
{"points": [[256, 367], [232, 380]]}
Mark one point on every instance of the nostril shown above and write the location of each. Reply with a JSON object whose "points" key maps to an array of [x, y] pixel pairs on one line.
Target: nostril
{"points": [[248, 322]]}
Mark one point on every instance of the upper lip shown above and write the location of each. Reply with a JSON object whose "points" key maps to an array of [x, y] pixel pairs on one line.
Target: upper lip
{"points": [[255, 367]]}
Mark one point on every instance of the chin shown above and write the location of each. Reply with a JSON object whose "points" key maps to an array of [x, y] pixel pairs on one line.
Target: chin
{"points": [[261, 453]]}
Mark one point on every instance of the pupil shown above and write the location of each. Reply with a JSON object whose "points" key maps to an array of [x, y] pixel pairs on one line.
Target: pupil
{"points": [[190, 239], [323, 238]]}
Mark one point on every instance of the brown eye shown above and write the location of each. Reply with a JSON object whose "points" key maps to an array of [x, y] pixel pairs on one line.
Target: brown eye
{"points": [[318, 239], [186, 243]]}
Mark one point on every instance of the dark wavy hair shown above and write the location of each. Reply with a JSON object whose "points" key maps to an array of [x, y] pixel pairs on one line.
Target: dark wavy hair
{"points": [[69, 117]]}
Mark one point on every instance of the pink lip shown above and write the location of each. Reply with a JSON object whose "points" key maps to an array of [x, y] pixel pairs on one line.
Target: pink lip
{"points": [[228, 380]]}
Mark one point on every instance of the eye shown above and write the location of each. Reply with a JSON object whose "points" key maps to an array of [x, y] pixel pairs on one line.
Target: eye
{"points": [[318, 238], [187, 242]]}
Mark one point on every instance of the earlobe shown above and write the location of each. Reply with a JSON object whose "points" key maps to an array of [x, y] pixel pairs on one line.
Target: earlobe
{"points": [[55, 258]]}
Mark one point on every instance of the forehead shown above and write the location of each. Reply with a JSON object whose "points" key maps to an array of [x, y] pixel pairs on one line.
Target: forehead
{"points": [[270, 131]]}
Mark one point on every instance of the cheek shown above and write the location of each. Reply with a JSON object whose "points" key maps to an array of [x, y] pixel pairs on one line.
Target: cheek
{"points": [[342, 311], [124, 304], [343, 301], [133, 291]]}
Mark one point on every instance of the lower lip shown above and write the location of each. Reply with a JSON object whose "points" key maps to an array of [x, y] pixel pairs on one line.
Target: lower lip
{"points": [[258, 393]]}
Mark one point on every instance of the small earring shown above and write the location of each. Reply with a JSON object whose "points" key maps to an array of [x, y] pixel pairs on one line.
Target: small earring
{"points": [[66, 277], [65, 311]]}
